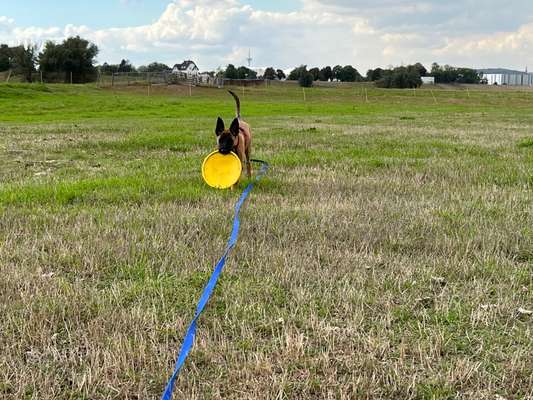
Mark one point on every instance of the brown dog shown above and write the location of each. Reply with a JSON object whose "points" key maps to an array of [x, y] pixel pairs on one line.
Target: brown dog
{"points": [[238, 138]]}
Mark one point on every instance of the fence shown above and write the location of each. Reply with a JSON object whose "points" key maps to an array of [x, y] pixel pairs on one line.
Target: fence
{"points": [[132, 79], [46, 77], [115, 79], [245, 82], [156, 78]]}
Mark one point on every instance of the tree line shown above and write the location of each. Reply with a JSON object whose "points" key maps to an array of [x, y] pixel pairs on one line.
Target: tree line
{"points": [[127, 66], [19, 59], [409, 76], [242, 72], [338, 73], [69, 61], [74, 60], [302, 74]]}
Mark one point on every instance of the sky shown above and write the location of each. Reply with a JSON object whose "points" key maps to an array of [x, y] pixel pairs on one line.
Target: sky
{"points": [[284, 34]]}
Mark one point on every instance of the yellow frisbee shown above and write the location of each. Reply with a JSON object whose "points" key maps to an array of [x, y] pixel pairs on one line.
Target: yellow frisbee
{"points": [[221, 171]]}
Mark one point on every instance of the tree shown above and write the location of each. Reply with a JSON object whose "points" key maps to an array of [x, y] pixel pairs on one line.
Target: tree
{"points": [[79, 59], [444, 74], [5, 57], [154, 67], [467, 75], [435, 68], [158, 67], [74, 57], [400, 78], [106, 68], [246, 73], [295, 74], [306, 79], [281, 75], [231, 72], [349, 74], [270, 74], [24, 60], [52, 58], [336, 72], [449, 74], [326, 74], [315, 72], [125, 66], [374, 74], [422, 71]]}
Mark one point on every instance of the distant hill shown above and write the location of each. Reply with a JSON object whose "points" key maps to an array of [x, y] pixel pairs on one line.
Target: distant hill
{"points": [[499, 71]]}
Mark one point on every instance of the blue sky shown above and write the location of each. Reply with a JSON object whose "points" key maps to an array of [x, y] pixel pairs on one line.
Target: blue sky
{"points": [[100, 14], [284, 34]]}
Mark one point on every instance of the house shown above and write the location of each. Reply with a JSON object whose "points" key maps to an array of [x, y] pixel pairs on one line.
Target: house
{"points": [[188, 68], [428, 80], [502, 76], [205, 77]]}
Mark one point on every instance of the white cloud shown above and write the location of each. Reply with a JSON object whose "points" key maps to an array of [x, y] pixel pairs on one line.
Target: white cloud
{"points": [[5, 21], [513, 47], [364, 33]]}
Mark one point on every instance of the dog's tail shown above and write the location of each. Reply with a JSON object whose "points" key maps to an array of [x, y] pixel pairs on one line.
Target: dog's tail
{"points": [[238, 102]]}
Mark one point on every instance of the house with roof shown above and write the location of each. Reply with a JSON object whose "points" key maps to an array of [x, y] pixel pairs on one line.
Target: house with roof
{"points": [[187, 67]]}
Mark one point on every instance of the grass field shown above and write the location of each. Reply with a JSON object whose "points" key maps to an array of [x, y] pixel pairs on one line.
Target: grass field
{"points": [[387, 255]]}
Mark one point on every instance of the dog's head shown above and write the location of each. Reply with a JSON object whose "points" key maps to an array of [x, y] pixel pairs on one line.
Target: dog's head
{"points": [[227, 138]]}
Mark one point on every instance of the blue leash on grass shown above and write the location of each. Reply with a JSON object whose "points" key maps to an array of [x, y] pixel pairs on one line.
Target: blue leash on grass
{"points": [[208, 289]]}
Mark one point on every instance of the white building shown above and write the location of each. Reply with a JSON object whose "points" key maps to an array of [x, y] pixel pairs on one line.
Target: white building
{"points": [[188, 68], [500, 76], [428, 80], [205, 78]]}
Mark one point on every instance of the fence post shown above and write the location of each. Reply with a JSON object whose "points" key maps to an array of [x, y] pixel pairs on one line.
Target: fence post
{"points": [[41, 71], [112, 79], [8, 76], [71, 77], [434, 98]]}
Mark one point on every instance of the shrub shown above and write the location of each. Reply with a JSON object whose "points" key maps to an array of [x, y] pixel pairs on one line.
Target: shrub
{"points": [[306, 79]]}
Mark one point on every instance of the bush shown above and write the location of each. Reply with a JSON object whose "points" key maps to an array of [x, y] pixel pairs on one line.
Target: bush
{"points": [[400, 78], [306, 79]]}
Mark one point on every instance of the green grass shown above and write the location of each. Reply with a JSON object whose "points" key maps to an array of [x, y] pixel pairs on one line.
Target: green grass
{"points": [[386, 254]]}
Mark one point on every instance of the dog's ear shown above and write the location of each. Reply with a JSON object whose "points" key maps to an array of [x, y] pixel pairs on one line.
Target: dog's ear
{"points": [[234, 128], [220, 126]]}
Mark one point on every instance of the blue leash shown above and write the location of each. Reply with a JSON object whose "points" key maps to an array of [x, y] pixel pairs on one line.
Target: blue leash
{"points": [[208, 290]]}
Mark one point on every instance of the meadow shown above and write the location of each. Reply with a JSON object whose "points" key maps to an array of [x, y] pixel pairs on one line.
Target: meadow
{"points": [[388, 253]]}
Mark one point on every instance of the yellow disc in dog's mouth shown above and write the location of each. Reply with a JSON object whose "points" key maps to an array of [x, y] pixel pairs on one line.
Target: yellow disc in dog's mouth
{"points": [[221, 171]]}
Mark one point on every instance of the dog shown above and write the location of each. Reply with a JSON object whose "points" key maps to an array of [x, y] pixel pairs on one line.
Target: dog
{"points": [[238, 138]]}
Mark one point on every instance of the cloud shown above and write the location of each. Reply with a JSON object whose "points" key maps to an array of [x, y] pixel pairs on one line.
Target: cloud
{"points": [[484, 50], [364, 33]]}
